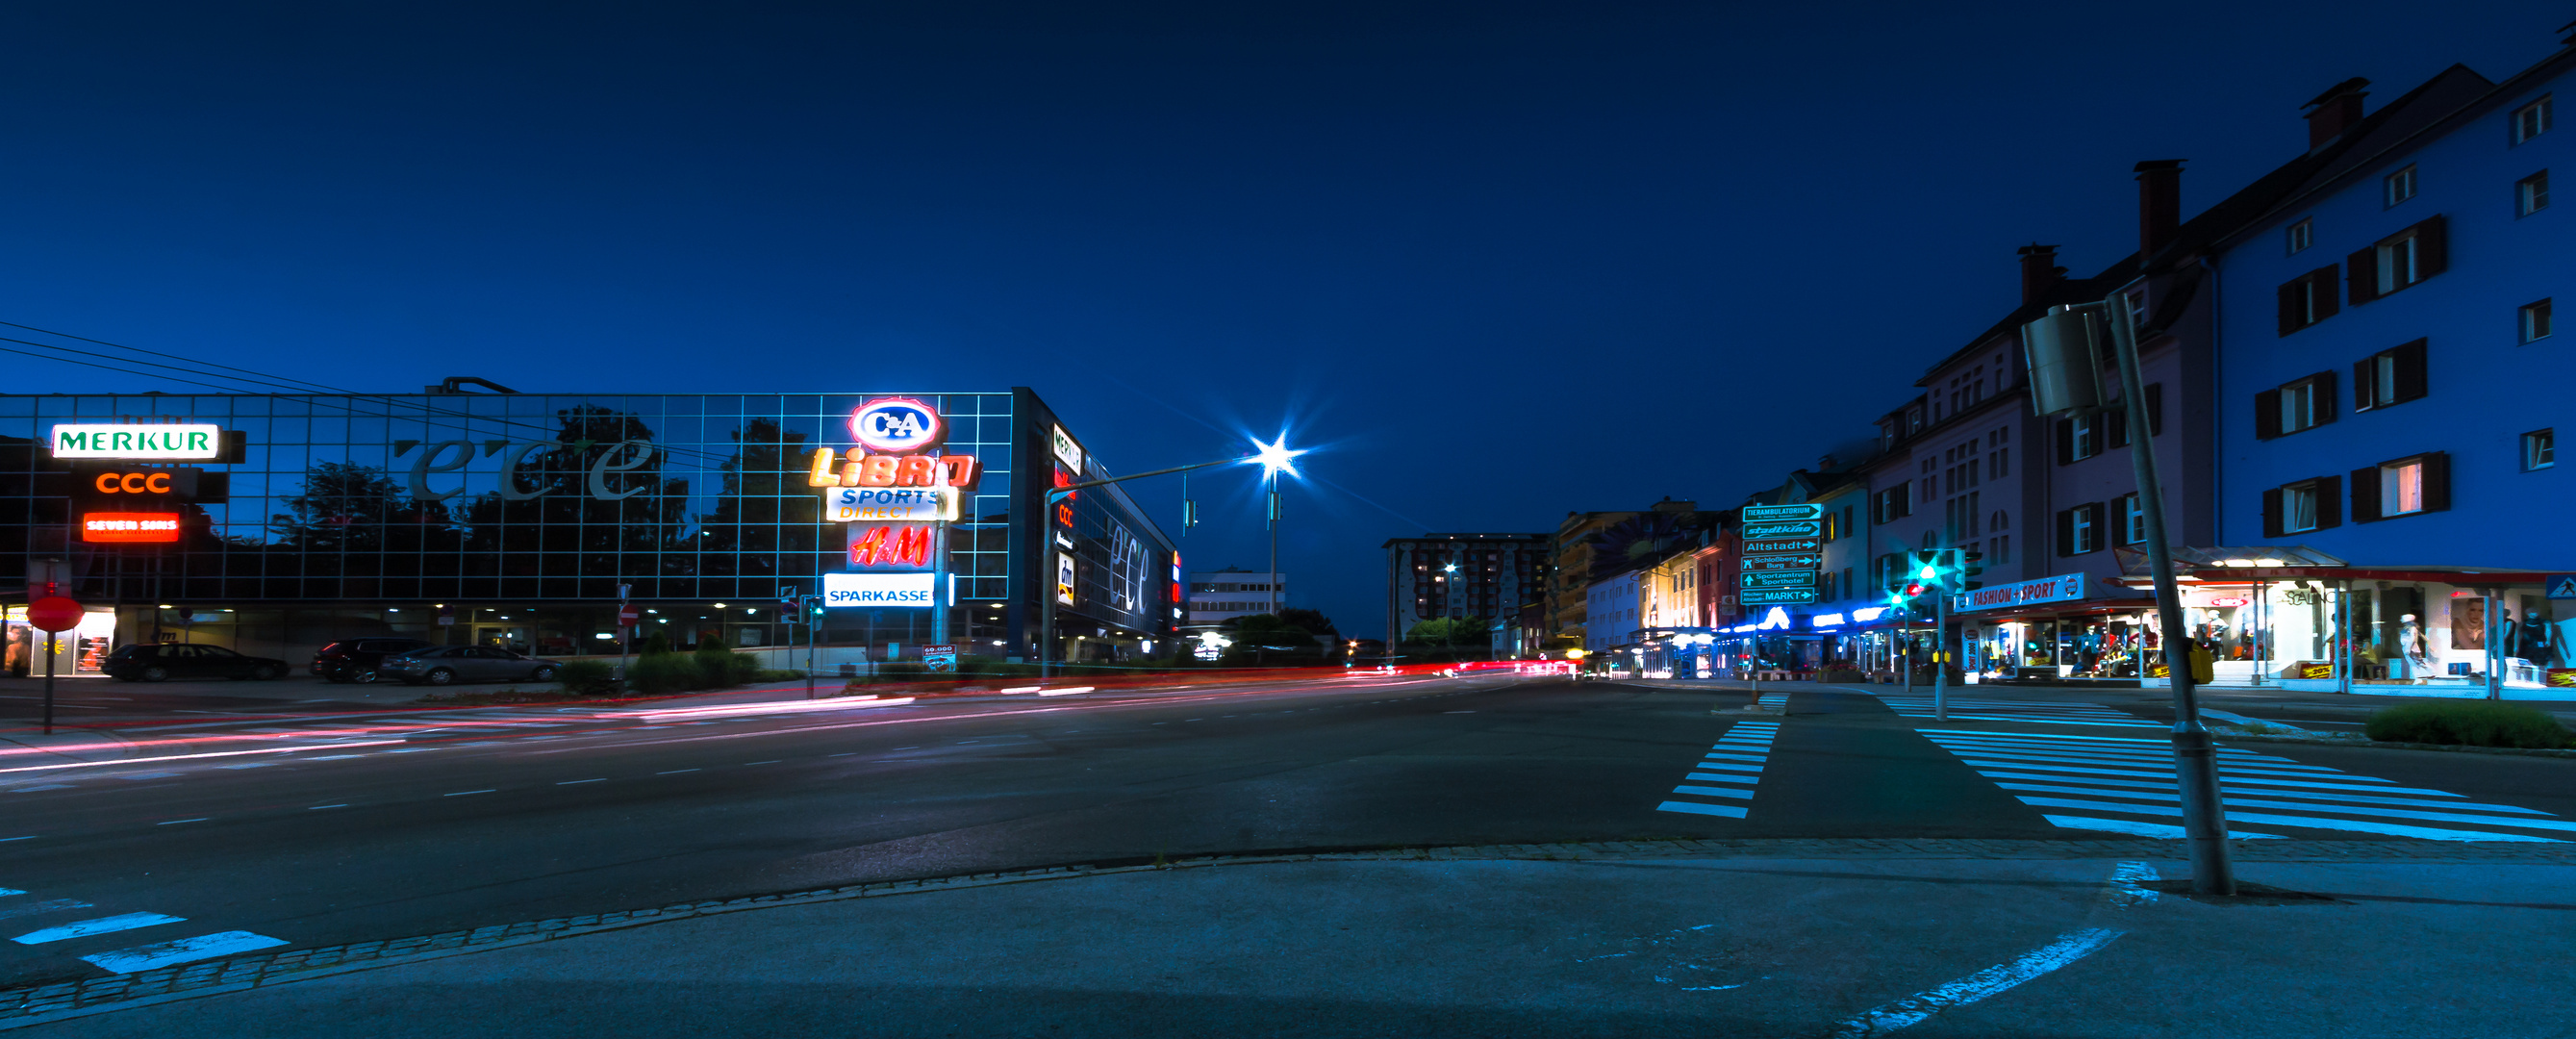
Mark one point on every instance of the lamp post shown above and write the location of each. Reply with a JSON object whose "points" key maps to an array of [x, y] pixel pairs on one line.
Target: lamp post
{"points": [[1273, 458]]}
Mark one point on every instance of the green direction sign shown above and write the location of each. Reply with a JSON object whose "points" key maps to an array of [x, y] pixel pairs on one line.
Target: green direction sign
{"points": [[1752, 513], [1788, 561], [1781, 579], [1777, 596], [1786, 529], [1784, 545]]}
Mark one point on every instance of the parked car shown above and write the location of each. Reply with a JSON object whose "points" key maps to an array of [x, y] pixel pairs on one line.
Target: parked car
{"points": [[162, 661], [356, 660], [441, 665]]}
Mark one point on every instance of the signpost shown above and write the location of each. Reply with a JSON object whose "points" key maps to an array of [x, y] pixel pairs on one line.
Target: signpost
{"points": [[1784, 545], [1778, 596], [1780, 579], [940, 657], [1758, 513], [52, 615], [1790, 561], [1785, 529]]}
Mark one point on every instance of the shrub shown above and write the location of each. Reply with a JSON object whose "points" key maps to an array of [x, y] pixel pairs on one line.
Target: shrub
{"points": [[714, 661], [2475, 723], [587, 677], [657, 673], [1843, 675], [741, 668]]}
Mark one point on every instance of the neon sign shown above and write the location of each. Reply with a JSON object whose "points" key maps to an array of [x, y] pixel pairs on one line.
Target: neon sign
{"points": [[896, 424], [891, 504], [902, 590], [890, 544], [129, 526], [131, 440], [1777, 618], [866, 470]]}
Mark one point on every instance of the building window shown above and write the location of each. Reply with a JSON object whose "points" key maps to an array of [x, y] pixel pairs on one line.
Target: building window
{"points": [[2003, 549], [2303, 506], [2401, 185], [2389, 377], [2531, 120], [2531, 194], [2302, 235], [2534, 321], [2079, 438], [2402, 488], [2301, 405], [2307, 299], [2539, 449], [2132, 518], [2079, 529]]}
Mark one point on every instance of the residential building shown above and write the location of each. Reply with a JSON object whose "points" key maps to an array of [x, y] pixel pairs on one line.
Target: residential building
{"points": [[1218, 596], [1486, 577]]}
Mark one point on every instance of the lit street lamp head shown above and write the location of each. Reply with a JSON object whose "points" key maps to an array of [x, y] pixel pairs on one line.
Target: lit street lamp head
{"points": [[1275, 458]]}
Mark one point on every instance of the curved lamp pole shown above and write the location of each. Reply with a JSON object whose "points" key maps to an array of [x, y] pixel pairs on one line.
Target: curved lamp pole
{"points": [[1273, 458]]}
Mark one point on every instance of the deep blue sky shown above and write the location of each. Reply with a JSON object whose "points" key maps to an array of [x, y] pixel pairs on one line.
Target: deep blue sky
{"points": [[1496, 261]]}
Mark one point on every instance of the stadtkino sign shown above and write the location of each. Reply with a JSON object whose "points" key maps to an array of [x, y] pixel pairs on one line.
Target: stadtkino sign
{"points": [[138, 440]]}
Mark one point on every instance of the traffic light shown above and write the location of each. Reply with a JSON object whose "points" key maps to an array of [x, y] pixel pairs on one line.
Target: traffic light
{"points": [[1971, 563]]}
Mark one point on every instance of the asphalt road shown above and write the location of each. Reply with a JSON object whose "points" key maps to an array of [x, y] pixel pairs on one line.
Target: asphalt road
{"points": [[471, 819]]}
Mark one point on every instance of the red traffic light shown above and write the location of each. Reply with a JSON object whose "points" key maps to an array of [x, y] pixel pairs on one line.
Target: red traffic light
{"points": [[1913, 590]]}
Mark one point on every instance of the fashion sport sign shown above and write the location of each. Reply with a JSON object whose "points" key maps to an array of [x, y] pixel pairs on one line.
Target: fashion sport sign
{"points": [[2061, 588]]}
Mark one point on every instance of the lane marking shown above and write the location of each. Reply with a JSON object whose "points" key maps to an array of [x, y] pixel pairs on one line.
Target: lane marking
{"points": [[50, 905], [578, 782], [184, 950], [2068, 948], [771, 761], [175, 822], [675, 771], [100, 925], [1714, 791], [465, 793], [317, 808], [1729, 811]]}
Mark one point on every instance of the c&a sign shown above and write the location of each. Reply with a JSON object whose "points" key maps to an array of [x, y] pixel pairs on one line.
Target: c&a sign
{"points": [[889, 430]]}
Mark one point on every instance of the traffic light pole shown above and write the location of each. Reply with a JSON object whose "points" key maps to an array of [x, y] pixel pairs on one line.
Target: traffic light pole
{"points": [[1940, 650], [2204, 814]]}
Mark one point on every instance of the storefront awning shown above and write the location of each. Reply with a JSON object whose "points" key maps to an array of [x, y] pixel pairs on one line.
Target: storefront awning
{"points": [[2268, 563]]}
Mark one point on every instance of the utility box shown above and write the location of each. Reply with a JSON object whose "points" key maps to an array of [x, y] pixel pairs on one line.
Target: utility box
{"points": [[2065, 350]]}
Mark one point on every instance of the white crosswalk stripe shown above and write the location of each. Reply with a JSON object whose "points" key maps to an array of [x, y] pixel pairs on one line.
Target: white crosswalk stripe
{"points": [[131, 958], [1736, 761], [2046, 713], [2125, 785]]}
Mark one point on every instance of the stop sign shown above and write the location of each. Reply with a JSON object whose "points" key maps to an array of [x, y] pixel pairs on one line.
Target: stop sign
{"points": [[627, 616], [54, 613]]}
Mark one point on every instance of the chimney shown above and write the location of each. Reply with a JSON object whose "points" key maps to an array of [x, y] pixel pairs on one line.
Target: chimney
{"points": [[2039, 270], [2335, 111], [2159, 205]]}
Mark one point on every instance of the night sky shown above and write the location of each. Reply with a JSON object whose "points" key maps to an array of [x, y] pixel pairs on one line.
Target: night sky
{"points": [[1492, 261]]}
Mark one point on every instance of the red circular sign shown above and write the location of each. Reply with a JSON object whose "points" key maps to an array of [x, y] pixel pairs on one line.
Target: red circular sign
{"points": [[627, 616], [54, 613]]}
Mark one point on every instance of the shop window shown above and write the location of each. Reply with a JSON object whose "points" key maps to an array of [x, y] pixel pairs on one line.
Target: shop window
{"points": [[2295, 406], [2533, 319], [2539, 449], [2302, 235], [2307, 299], [2531, 120], [2400, 185], [2399, 261], [2531, 194], [2404, 487], [2389, 377], [2079, 529], [2307, 505]]}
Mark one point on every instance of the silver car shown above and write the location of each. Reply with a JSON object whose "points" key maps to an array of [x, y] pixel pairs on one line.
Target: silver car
{"points": [[442, 665]]}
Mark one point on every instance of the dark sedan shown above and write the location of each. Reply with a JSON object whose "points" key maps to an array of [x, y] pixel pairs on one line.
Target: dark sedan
{"points": [[356, 660], [161, 662], [446, 664]]}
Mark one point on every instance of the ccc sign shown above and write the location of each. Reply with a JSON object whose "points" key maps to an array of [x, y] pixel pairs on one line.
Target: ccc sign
{"points": [[157, 482], [114, 487]]}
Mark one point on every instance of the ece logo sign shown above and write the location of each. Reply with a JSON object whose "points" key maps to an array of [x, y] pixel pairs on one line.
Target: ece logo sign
{"points": [[895, 425]]}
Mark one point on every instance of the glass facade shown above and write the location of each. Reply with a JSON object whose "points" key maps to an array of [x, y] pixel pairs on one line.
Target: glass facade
{"points": [[474, 505]]}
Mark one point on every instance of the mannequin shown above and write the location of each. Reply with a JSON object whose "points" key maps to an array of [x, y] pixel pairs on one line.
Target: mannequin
{"points": [[2531, 640], [2410, 644]]}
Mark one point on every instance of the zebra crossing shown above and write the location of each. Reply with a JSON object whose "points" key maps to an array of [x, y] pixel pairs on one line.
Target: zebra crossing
{"points": [[1728, 771], [2046, 713], [2126, 785], [15, 903]]}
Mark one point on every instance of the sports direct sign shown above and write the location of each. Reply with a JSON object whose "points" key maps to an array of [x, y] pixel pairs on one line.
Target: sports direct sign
{"points": [[2061, 588], [879, 590]]}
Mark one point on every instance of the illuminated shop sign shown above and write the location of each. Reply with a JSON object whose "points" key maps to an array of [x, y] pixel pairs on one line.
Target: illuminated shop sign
{"points": [[132, 440], [866, 470], [1067, 451], [899, 590], [129, 526], [1064, 578], [890, 544], [895, 425], [2061, 588], [890, 504]]}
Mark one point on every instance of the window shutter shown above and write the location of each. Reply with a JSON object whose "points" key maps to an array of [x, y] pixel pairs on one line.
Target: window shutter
{"points": [[2155, 409], [2114, 423], [2410, 371], [2292, 317], [2065, 441], [2365, 494], [2432, 247], [2322, 392], [2361, 377], [2361, 275], [2066, 533], [2324, 279], [2437, 481], [2267, 414], [2101, 523], [2272, 513], [2329, 502]]}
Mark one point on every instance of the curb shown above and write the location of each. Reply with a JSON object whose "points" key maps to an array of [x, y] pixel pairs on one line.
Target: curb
{"points": [[25, 1007], [2456, 748]]}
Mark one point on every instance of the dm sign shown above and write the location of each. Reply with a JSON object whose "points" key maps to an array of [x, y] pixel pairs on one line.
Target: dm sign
{"points": [[894, 425], [138, 440]]}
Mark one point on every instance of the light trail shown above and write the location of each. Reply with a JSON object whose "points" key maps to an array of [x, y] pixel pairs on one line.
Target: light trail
{"points": [[194, 757]]}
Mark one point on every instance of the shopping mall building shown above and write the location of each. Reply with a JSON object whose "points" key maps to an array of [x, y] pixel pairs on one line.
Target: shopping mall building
{"points": [[274, 524]]}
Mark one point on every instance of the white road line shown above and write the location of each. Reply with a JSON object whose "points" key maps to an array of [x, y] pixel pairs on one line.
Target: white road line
{"points": [[1729, 811], [464, 793], [1714, 791], [50, 905], [184, 950], [2160, 830], [675, 771], [1724, 766], [8, 891], [101, 925], [2068, 948], [577, 782], [317, 808], [175, 822]]}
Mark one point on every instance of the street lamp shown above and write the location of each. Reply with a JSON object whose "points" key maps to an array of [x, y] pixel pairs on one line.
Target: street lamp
{"points": [[1274, 458]]}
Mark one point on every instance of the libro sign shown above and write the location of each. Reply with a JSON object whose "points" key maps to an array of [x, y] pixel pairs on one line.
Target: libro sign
{"points": [[202, 442]]}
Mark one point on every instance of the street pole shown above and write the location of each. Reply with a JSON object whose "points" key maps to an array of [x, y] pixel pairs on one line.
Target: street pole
{"points": [[2204, 814], [1047, 550], [809, 605], [1274, 547], [53, 645], [1940, 649]]}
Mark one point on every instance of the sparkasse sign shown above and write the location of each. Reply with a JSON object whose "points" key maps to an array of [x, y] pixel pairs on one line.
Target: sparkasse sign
{"points": [[897, 590], [138, 440]]}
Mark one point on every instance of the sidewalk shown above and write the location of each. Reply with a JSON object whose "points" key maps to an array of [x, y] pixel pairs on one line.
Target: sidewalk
{"points": [[1789, 938]]}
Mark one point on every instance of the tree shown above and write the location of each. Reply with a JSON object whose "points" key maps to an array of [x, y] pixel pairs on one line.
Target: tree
{"points": [[1313, 621], [1447, 631]]}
